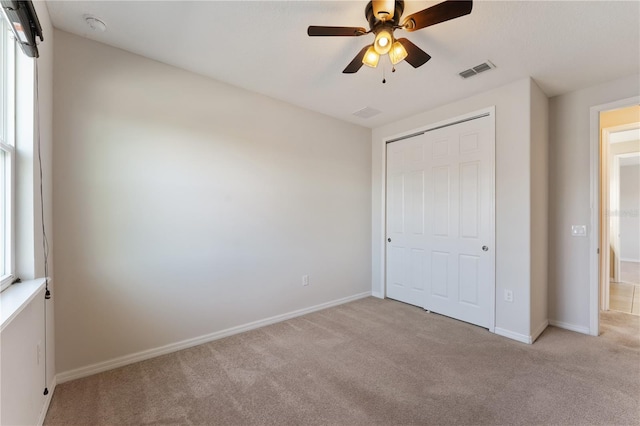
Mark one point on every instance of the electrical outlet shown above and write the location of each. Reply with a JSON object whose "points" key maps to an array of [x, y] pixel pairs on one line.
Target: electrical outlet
{"points": [[508, 296], [305, 280]]}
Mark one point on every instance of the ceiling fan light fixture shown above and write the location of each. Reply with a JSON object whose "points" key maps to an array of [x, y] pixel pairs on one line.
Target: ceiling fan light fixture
{"points": [[383, 10], [383, 42], [397, 53], [384, 17], [371, 58]]}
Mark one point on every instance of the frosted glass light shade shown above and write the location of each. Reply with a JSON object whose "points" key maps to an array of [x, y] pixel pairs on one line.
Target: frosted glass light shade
{"points": [[371, 58], [383, 42], [397, 53]]}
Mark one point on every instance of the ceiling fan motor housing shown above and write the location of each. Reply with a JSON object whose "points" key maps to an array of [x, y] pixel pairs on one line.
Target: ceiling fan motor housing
{"points": [[374, 21]]}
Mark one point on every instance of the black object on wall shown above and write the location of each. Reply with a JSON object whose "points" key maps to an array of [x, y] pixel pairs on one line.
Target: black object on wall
{"points": [[22, 17]]}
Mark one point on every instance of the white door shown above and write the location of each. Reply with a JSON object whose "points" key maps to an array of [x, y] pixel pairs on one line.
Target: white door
{"points": [[440, 222], [406, 239]]}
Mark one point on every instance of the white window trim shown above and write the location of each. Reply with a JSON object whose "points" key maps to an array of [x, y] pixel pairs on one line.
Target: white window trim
{"points": [[9, 241], [7, 145]]}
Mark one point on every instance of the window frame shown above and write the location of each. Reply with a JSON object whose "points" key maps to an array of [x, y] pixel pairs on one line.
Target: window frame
{"points": [[7, 146]]}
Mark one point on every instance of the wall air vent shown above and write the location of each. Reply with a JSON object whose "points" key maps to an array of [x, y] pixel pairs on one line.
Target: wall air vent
{"points": [[366, 112], [485, 66]]}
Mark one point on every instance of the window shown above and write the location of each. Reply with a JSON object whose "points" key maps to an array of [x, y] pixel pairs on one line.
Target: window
{"points": [[7, 154]]}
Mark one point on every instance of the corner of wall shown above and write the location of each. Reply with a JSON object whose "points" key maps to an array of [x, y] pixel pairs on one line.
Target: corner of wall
{"points": [[378, 203], [539, 187], [513, 206]]}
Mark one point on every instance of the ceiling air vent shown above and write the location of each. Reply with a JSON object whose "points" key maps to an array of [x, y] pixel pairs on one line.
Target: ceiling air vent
{"points": [[366, 112], [467, 73], [485, 66]]}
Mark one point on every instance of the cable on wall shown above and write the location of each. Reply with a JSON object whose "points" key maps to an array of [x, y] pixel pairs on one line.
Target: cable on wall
{"points": [[45, 241]]}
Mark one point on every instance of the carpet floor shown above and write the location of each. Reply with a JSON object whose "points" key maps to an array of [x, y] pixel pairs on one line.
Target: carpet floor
{"points": [[372, 362]]}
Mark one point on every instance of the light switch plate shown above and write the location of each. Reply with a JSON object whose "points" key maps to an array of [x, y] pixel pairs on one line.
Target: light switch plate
{"points": [[579, 230]]}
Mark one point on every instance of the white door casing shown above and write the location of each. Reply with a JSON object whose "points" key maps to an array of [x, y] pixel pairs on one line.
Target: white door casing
{"points": [[609, 213], [440, 215]]}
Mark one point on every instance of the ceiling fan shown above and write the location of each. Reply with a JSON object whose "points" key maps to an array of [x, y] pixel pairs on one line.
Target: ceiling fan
{"points": [[384, 18]]}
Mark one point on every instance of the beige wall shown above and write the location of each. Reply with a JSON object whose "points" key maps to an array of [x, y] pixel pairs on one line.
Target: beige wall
{"points": [[569, 201], [184, 206], [612, 182], [539, 208], [513, 201], [629, 213]]}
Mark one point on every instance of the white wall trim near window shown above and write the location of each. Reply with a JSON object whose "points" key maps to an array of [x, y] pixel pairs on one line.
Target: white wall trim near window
{"points": [[19, 173], [7, 155], [15, 299], [7, 190]]}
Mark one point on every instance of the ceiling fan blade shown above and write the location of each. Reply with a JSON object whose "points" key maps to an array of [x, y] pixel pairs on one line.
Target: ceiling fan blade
{"points": [[356, 64], [442, 12], [416, 57], [315, 31]]}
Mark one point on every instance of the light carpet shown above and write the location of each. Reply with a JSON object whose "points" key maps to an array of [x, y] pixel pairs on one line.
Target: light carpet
{"points": [[372, 362]]}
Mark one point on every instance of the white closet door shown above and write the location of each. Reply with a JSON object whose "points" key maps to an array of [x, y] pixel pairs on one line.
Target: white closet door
{"points": [[406, 240], [440, 204]]}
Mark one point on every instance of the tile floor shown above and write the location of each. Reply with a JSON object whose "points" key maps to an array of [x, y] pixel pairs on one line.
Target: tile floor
{"points": [[630, 272], [624, 296]]}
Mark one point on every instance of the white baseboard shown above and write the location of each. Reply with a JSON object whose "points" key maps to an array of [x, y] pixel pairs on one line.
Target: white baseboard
{"points": [[522, 337], [173, 347], [570, 327], [538, 331], [47, 401], [513, 335], [630, 260], [377, 294]]}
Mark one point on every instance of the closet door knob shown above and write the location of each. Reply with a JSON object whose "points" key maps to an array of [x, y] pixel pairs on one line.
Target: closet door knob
{"points": [[485, 248]]}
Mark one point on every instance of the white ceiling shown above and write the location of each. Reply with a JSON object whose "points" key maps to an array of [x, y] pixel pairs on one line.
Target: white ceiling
{"points": [[262, 46]]}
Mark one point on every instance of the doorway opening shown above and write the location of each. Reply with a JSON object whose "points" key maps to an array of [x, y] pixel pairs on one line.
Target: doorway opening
{"points": [[624, 222], [616, 196]]}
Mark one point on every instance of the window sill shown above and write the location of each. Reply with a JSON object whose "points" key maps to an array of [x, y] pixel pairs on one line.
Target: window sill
{"points": [[15, 298]]}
